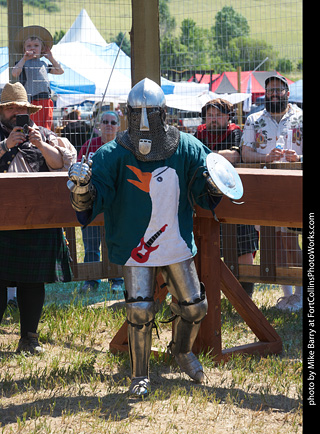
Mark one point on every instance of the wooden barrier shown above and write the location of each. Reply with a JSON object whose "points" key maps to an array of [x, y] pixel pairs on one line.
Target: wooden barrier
{"points": [[271, 198], [41, 200]]}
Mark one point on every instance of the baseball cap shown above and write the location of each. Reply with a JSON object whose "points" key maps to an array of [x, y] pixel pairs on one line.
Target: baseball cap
{"points": [[278, 77]]}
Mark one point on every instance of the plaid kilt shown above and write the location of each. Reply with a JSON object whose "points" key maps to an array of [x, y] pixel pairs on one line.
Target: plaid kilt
{"points": [[34, 255], [247, 240]]}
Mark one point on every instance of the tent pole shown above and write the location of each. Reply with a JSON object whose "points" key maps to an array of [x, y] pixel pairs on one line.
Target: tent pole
{"points": [[240, 103]]}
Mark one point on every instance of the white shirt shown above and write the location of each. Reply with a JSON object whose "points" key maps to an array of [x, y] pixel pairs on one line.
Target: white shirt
{"points": [[261, 131]]}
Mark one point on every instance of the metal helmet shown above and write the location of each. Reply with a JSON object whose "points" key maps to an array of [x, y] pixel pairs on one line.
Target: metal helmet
{"points": [[146, 94], [148, 136]]}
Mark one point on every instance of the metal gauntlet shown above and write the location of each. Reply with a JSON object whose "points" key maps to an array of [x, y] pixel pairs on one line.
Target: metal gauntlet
{"points": [[82, 191], [212, 189]]}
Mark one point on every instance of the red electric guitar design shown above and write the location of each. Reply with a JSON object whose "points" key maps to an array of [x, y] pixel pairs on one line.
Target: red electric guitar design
{"points": [[142, 252]]}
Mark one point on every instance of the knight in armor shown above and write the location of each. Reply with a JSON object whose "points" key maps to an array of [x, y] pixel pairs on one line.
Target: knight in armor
{"points": [[146, 182]]}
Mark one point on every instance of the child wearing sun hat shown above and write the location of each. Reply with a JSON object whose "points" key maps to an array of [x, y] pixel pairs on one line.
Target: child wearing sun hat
{"points": [[35, 42]]}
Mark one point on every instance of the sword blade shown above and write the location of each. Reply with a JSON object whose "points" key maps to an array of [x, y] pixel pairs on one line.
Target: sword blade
{"points": [[103, 97]]}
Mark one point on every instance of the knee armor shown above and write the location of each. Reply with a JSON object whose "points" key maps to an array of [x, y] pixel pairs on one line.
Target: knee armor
{"points": [[194, 311], [140, 313]]}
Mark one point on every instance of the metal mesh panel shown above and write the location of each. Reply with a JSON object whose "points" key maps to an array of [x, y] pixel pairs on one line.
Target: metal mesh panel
{"points": [[208, 50]]}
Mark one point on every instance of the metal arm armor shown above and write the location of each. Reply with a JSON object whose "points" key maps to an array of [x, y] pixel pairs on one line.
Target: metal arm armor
{"points": [[83, 201]]}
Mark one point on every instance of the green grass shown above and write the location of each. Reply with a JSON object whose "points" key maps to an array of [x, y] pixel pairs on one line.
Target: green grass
{"points": [[79, 386], [279, 23], [69, 292]]}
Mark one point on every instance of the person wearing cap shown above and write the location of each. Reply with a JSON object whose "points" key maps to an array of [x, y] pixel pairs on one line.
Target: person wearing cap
{"points": [[279, 118], [259, 144], [30, 257], [223, 136], [35, 42]]}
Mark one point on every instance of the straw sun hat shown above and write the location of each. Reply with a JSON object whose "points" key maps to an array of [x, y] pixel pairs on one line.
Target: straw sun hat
{"points": [[33, 31], [15, 94]]}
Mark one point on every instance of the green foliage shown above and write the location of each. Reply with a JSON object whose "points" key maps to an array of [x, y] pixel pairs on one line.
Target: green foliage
{"points": [[300, 65], [167, 23], [249, 53], [48, 5], [58, 36], [196, 41], [126, 45], [223, 47], [172, 53], [284, 65], [228, 25]]}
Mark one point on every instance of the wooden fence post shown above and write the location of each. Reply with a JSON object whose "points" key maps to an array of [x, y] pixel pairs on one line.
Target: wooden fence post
{"points": [[145, 41], [15, 22]]}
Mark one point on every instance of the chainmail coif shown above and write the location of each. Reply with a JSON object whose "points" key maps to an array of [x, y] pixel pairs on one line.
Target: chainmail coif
{"points": [[165, 139]]}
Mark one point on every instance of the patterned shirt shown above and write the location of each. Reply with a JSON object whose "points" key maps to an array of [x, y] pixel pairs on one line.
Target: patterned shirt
{"points": [[261, 131]]}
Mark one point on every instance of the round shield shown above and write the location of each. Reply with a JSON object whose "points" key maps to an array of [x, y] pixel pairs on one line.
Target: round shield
{"points": [[224, 176]]}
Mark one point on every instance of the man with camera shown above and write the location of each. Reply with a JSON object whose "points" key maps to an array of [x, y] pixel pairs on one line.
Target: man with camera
{"points": [[30, 257], [14, 107]]}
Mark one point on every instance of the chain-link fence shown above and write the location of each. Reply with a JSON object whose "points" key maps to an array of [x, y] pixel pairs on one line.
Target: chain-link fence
{"points": [[217, 61]]}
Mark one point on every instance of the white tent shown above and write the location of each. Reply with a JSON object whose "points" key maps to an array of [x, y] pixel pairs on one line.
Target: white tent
{"points": [[83, 41], [83, 30], [93, 68], [88, 60], [4, 66], [195, 102]]}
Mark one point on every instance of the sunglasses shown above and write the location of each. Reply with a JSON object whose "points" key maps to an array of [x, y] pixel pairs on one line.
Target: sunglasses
{"points": [[106, 122], [277, 91]]}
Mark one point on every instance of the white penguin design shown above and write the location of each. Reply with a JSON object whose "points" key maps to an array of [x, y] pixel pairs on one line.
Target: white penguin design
{"points": [[162, 243]]}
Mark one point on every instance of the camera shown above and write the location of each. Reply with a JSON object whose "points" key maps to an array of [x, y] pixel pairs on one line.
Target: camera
{"points": [[23, 121]]}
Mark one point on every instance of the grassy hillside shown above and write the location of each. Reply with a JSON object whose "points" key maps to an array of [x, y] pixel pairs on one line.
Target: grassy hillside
{"points": [[109, 17], [277, 22]]}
